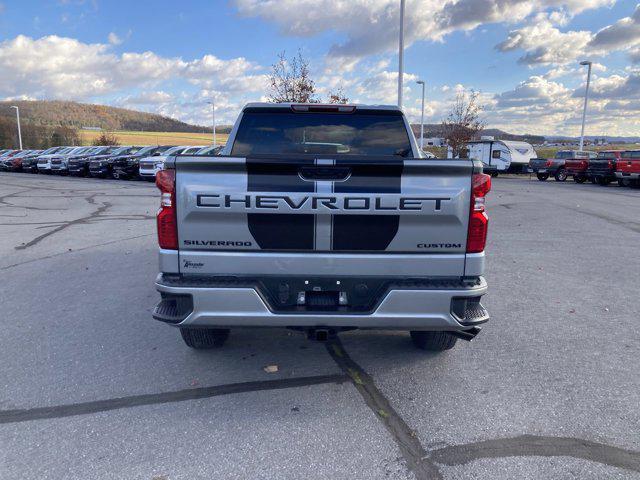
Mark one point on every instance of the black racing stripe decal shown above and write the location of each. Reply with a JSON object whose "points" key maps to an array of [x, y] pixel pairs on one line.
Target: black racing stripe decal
{"points": [[367, 232], [279, 231], [364, 232]]}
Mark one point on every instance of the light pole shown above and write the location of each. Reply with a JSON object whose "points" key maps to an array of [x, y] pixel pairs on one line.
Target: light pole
{"points": [[586, 99], [213, 119], [18, 119], [421, 82], [401, 54]]}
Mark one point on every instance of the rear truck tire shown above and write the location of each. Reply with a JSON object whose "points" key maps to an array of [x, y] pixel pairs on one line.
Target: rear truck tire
{"points": [[561, 175], [494, 174], [579, 179], [594, 180], [603, 182], [433, 341], [623, 182], [204, 338], [542, 176]]}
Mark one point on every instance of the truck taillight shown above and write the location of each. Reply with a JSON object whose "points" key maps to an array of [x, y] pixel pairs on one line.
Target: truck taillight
{"points": [[166, 218], [549, 163], [478, 220]]}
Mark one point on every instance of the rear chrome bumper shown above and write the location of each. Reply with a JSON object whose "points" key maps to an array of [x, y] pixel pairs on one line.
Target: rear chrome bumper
{"points": [[406, 308]]}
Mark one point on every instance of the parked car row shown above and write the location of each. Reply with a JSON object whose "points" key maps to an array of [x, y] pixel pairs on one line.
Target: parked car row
{"points": [[125, 162], [603, 168]]}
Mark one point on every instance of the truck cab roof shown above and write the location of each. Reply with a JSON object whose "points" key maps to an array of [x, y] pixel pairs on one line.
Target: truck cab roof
{"points": [[320, 106]]}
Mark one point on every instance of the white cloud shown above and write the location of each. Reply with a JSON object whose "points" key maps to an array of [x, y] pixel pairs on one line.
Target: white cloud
{"points": [[54, 67], [624, 33], [235, 75], [614, 87], [59, 67], [114, 39], [544, 43], [371, 26], [535, 90], [539, 105], [383, 87], [148, 98], [19, 97]]}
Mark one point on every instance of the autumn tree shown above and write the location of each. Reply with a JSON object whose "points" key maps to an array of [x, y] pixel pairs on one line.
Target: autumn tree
{"points": [[338, 96], [106, 139], [64, 136], [290, 80], [463, 122]]}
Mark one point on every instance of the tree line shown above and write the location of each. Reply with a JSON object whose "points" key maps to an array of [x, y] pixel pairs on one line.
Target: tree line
{"points": [[81, 115], [36, 136]]}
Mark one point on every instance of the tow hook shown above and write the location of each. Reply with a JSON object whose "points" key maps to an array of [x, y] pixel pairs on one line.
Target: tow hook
{"points": [[467, 335]]}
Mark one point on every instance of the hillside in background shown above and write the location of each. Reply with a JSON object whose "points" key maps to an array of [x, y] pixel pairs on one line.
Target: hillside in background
{"points": [[79, 115]]}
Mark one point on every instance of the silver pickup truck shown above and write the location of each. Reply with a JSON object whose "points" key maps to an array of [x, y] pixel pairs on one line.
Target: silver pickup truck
{"points": [[322, 218]]}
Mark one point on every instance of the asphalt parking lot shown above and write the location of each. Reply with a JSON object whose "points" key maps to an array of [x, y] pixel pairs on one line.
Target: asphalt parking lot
{"points": [[92, 387]]}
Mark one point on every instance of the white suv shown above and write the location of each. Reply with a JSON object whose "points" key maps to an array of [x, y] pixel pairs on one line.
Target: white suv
{"points": [[149, 166]]}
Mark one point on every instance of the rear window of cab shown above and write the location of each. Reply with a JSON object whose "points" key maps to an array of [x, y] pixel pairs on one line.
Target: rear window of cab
{"points": [[282, 131]]}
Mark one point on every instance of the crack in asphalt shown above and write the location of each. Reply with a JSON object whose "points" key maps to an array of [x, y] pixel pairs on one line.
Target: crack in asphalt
{"points": [[2, 197], [50, 224], [5, 204], [67, 252], [424, 464], [102, 208], [405, 438], [538, 446], [101, 219], [83, 408], [633, 226]]}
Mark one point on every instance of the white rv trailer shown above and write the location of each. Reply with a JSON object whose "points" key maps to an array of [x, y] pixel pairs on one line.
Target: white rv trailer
{"points": [[502, 156]]}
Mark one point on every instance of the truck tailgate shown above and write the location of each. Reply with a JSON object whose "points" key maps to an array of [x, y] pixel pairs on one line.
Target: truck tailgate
{"points": [[305, 215]]}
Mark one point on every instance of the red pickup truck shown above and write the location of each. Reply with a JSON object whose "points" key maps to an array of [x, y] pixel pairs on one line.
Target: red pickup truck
{"points": [[602, 170], [628, 168], [577, 168]]}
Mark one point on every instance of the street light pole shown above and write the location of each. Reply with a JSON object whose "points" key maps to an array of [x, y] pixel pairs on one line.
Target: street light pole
{"points": [[401, 54], [18, 119], [213, 119], [586, 99], [421, 82]]}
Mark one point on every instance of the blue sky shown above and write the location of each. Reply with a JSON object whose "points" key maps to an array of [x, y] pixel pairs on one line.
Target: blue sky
{"points": [[171, 57]]}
